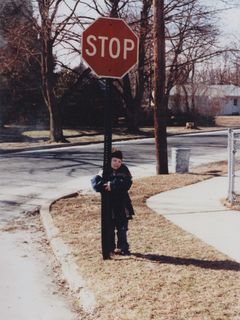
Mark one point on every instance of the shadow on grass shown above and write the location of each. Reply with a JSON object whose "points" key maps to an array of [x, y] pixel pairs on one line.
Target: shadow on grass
{"points": [[228, 265], [15, 134], [213, 173]]}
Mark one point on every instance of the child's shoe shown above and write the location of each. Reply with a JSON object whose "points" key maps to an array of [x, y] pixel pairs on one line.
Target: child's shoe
{"points": [[125, 252]]}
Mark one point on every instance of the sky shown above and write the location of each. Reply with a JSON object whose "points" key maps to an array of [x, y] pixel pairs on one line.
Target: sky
{"points": [[229, 21]]}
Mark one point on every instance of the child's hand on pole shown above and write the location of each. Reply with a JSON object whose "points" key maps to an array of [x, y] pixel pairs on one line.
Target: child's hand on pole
{"points": [[107, 186]]}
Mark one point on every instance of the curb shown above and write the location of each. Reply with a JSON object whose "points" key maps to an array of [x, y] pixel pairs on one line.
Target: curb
{"points": [[44, 147], [69, 268], [65, 145]]}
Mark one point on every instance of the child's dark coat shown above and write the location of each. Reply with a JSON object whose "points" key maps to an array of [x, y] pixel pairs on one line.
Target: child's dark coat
{"points": [[120, 182], [122, 209]]}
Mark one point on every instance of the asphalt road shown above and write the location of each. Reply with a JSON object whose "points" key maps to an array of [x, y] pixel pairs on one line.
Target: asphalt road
{"points": [[25, 176]]}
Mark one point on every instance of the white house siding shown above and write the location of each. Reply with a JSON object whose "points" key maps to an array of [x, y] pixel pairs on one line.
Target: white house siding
{"points": [[209, 100], [230, 108]]}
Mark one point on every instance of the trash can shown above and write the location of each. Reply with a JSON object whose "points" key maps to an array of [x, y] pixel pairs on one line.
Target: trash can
{"points": [[180, 160]]}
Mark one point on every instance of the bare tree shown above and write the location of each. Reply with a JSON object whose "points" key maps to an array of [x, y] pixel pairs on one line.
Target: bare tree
{"points": [[192, 42], [16, 52], [134, 84], [225, 71], [57, 24], [132, 87], [55, 30], [19, 72], [191, 39]]}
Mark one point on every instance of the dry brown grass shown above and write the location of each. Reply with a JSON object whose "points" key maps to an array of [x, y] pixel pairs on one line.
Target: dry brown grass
{"points": [[170, 275]]}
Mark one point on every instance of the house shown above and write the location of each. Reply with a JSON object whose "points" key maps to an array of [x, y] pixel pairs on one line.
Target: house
{"points": [[212, 100]]}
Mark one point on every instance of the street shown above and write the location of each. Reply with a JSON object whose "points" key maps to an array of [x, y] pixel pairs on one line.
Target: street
{"points": [[26, 176]]}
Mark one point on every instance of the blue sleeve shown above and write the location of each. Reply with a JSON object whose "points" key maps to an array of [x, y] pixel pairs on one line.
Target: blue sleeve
{"points": [[97, 183]]}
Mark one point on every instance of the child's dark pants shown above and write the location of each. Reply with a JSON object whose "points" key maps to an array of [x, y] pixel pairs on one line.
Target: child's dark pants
{"points": [[121, 225]]}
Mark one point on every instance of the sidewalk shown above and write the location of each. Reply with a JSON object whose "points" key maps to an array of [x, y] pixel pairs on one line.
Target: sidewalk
{"points": [[198, 209]]}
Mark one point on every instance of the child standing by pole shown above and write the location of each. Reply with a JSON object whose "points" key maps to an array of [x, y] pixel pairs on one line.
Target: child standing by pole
{"points": [[119, 183]]}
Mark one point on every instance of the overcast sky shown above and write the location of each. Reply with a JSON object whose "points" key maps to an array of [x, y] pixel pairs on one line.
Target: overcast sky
{"points": [[229, 20]]}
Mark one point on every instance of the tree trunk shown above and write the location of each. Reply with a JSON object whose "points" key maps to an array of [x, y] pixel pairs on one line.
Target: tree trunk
{"points": [[193, 116], [187, 108], [134, 101], [130, 101], [131, 114], [56, 132], [114, 9], [48, 82], [48, 75], [160, 110]]}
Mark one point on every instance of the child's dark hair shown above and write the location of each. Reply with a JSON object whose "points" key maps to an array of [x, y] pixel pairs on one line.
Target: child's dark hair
{"points": [[116, 153]]}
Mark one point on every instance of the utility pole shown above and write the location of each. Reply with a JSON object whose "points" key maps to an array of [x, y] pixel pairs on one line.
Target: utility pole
{"points": [[160, 108]]}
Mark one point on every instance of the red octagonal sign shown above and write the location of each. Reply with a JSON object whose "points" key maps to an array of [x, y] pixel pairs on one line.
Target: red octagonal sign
{"points": [[110, 47]]}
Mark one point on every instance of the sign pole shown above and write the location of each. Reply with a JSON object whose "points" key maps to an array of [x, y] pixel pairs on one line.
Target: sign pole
{"points": [[106, 210], [110, 49]]}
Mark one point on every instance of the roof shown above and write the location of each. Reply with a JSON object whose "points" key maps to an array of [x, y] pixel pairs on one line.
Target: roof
{"points": [[211, 91]]}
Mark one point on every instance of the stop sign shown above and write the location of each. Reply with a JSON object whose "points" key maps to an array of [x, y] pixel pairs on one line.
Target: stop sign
{"points": [[110, 47]]}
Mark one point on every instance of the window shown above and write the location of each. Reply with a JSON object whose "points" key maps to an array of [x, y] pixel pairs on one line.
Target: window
{"points": [[235, 102]]}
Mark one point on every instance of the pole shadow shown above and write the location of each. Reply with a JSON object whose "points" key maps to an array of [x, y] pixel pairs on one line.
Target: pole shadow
{"points": [[228, 265]]}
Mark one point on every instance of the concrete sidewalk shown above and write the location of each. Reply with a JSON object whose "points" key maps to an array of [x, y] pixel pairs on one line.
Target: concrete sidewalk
{"points": [[198, 209]]}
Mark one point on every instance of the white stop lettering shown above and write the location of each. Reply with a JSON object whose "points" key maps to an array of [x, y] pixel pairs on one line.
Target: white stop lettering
{"points": [[109, 46]]}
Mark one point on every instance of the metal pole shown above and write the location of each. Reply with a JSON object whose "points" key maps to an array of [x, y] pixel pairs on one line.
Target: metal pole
{"points": [[233, 166], [230, 165], [106, 201]]}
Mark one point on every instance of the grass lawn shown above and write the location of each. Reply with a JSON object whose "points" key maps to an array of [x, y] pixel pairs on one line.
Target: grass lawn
{"points": [[170, 274]]}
